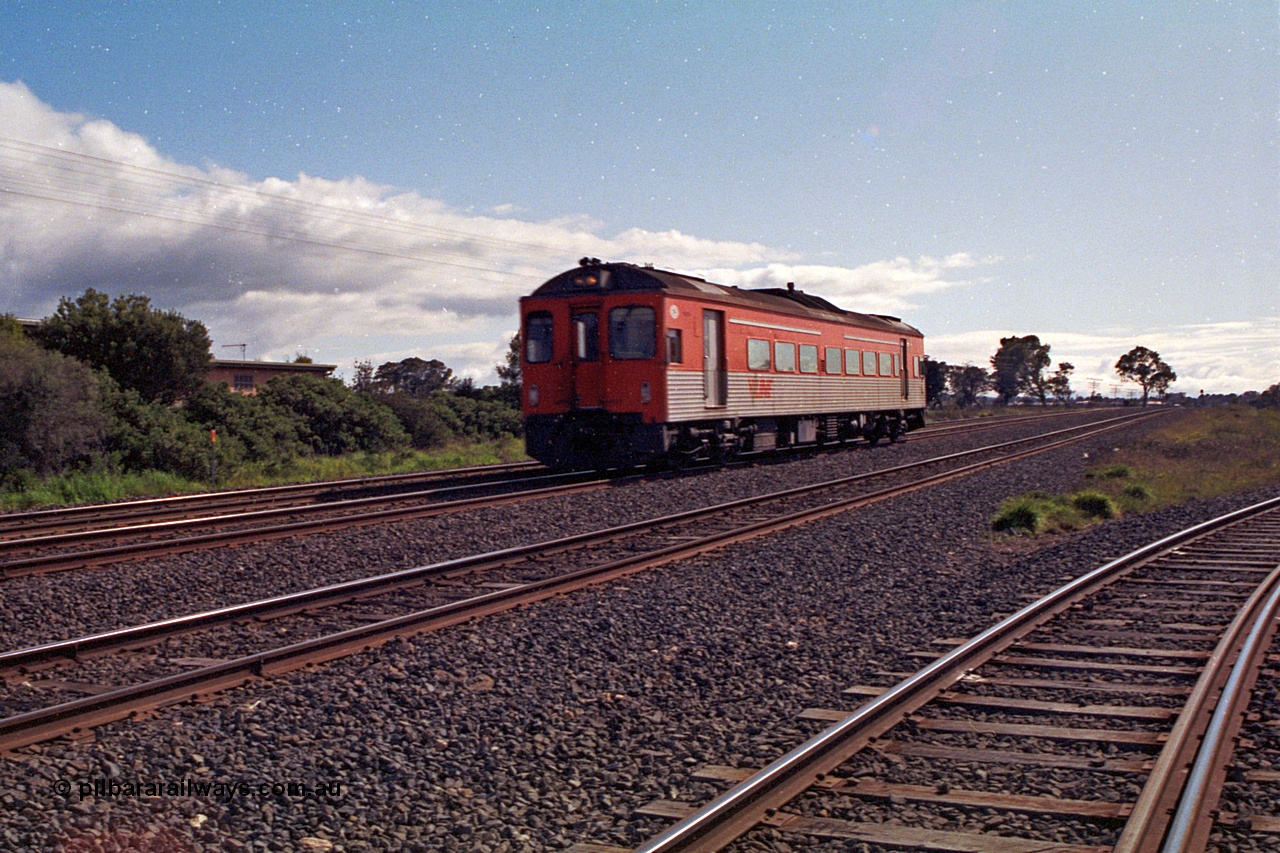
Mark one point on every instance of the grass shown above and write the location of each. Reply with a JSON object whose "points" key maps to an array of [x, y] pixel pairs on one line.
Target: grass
{"points": [[97, 487], [1198, 453]]}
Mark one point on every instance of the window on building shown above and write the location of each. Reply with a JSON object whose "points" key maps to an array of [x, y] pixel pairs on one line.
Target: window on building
{"points": [[242, 381], [808, 358], [632, 332], [675, 347], [758, 355], [538, 337], [784, 357]]}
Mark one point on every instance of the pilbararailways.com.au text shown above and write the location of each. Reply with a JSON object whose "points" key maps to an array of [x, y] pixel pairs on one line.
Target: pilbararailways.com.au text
{"points": [[113, 788]]}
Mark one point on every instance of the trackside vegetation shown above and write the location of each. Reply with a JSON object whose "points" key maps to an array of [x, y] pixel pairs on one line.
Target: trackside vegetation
{"points": [[1196, 453], [108, 399]]}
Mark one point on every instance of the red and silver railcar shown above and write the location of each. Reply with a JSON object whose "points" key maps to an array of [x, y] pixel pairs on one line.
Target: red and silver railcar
{"points": [[626, 365]]}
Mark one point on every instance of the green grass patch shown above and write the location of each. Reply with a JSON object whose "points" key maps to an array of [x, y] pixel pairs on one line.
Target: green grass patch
{"points": [[1039, 512], [1190, 455], [26, 491]]}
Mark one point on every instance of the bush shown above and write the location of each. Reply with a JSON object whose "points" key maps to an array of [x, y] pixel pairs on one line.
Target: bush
{"points": [[1094, 504], [334, 418], [249, 429], [49, 409], [152, 436], [1117, 471]]}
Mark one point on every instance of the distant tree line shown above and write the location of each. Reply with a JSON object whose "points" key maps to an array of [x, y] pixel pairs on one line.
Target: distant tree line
{"points": [[118, 385], [1020, 368]]}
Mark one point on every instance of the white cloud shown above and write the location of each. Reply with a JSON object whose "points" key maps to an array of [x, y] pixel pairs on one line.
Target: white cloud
{"points": [[1217, 358]]}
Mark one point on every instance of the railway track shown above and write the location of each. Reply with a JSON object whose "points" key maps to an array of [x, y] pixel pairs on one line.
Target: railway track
{"points": [[1099, 718], [86, 537], [429, 597]]}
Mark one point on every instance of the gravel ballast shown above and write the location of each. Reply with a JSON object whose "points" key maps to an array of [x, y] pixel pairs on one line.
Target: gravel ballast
{"points": [[551, 724]]}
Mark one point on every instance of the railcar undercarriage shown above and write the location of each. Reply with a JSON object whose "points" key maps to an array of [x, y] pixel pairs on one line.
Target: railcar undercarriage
{"points": [[599, 439]]}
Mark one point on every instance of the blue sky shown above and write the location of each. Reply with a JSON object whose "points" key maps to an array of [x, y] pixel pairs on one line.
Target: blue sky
{"points": [[1101, 177]]}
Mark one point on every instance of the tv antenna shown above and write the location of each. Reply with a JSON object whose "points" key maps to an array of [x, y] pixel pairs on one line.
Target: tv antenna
{"points": [[232, 346]]}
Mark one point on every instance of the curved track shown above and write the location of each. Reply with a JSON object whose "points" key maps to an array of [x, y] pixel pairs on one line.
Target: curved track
{"points": [[1139, 670]]}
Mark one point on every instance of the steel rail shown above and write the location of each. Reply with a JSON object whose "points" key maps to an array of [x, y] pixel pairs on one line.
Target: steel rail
{"points": [[124, 508], [747, 804], [1174, 803], [76, 715], [25, 660], [1192, 822], [63, 561]]}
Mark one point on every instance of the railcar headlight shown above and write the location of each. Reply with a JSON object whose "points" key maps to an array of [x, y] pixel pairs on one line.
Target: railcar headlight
{"points": [[533, 395], [645, 395]]}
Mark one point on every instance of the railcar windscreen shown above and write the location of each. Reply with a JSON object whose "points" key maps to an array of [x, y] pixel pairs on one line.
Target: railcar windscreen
{"points": [[538, 337], [632, 332]]}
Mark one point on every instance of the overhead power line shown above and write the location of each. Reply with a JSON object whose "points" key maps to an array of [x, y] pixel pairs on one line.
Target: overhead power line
{"points": [[86, 181]]}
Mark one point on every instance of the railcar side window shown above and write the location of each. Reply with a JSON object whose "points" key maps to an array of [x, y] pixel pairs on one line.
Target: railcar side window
{"points": [[632, 331], [538, 337], [851, 362], [886, 364], [808, 358], [897, 368], [784, 357], [833, 360], [675, 347], [868, 363], [586, 337], [758, 354]]}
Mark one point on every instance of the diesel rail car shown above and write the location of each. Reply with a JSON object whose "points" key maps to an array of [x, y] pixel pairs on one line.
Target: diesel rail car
{"points": [[626, 365]]}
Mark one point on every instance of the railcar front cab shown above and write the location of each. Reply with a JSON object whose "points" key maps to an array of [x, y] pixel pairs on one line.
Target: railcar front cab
{"points": [[593, 376]]}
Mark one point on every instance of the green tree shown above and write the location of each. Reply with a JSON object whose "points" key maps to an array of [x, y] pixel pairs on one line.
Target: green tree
{"points": [[414, 376], [1059, 383], [160, 354], [967, 383], [50, 414], [1018, 367], [935, 381], [509, 371], [1145, 367]]}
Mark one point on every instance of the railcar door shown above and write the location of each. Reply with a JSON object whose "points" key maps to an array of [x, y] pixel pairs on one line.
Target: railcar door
{"points": [[714, 376], [902, 370], [586, 378]]}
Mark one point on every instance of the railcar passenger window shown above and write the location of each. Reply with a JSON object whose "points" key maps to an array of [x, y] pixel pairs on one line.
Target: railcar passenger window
{"points": [[632, 331], [897, 368], [675, 347], [808, 358], [868, 363], [833, 360], [851, 362], [758, 355], [886, 364], [538, 337], [784, 357], [586, 337]]}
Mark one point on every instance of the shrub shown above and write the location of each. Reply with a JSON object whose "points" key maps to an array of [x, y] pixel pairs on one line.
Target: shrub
{"points": [[1117, 471], [1094, 504], [334, 418], [49, 409]]}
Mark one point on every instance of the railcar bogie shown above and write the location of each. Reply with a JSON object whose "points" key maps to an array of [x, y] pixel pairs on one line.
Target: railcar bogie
{"points": [[613, 375]]}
